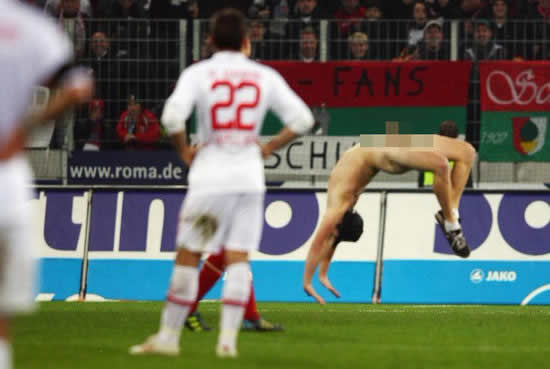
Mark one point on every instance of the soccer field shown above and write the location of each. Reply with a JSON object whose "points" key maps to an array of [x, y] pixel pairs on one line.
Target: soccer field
{"points": [[66, 335]]}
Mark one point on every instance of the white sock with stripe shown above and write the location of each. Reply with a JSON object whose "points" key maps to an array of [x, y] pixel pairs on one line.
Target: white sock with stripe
{"points": [[181, 296], [236, 291], [5, 354]]}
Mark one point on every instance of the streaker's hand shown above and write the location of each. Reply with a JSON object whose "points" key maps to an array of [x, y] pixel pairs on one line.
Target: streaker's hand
{"points": [[310, 291], [326, 282]]}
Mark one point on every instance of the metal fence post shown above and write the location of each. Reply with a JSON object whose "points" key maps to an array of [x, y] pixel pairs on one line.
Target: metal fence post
{"points": [[196, 39], [380, 250], [84, 270], [183, 44], [324, 40], [454, 40]]}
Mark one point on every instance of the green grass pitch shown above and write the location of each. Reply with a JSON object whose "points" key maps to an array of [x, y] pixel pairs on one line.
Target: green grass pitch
{"points": [[64, 335]]}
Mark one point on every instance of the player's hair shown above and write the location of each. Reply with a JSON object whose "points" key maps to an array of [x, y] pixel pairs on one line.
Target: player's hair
{"points": [[448, 129], [228, 28]]}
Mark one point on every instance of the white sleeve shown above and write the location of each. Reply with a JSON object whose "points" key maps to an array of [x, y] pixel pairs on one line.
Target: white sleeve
{"points": [[289, 107], [179, 105]]}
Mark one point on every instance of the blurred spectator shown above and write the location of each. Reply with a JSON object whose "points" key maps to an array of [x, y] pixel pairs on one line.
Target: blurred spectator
{"points": [[373, 11], [416, 30], [484, 47], [307, 11], [261, 47], [165, 44], [358, 46], [88, 133], [308, 46], [399, 9], [307, 14], [71, 19], [507, 32], [259, 10], [432, 47], [377, 31], [471, 7], [105, 65], [348, 18], [448, 9], [539, 30], [83, 6], [348, 15], [127, 34], [138, 128], [280, 13]]}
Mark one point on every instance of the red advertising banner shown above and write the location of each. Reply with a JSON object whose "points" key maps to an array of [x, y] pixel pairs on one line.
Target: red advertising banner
{"points": [[377, 84], [515, 86]]}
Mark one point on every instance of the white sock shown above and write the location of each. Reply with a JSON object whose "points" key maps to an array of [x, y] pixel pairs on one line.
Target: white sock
{"points": [[181, 296], [455, 213], [452, 226], [236, 291], [5, 354]]}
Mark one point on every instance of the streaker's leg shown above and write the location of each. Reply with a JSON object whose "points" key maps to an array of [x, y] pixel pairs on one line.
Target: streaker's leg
{"points": [[438, 164], [463, 154]]}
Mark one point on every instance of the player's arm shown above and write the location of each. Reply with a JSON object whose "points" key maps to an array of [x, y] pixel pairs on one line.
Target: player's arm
{"points": [[72, 85], [292, 111], [176, 111], [284, 136]]}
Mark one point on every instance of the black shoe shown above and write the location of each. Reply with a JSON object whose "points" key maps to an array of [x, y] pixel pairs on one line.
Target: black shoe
{"points": [[195, 323], [456, 238], [261, 325]]}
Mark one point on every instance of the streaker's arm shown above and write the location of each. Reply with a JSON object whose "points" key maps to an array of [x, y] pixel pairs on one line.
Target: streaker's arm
{"points": [[321, 251], [324, 266]]}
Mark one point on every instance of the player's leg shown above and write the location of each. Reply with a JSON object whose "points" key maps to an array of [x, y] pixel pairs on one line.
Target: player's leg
{"points": [[235, 294], [5, 344], [211, 271], [200, 230], [253, 321], [243, 237], [17, 263], [180, 298]]}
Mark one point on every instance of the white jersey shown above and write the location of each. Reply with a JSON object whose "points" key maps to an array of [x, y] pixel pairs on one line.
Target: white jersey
{"points": [[32, 49], [231, 95]]}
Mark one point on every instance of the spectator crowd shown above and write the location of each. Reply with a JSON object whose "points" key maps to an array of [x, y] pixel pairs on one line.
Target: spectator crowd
{"points": [[135, 48]]}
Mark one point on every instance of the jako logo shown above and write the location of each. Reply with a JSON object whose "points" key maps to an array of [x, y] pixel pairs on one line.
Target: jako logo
{"points": [[476, 276], [501, 276]]}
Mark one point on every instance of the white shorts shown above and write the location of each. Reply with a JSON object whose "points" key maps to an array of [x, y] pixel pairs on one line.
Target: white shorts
{"points": [[17, 262], [209, 223]]}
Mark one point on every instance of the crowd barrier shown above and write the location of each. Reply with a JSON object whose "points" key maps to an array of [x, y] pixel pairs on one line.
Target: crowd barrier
{"points": [[119, 244]]}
